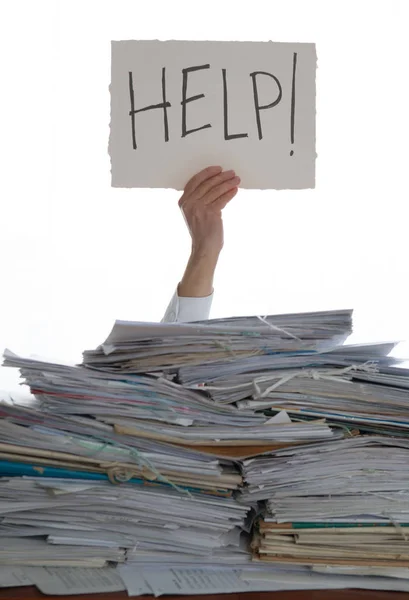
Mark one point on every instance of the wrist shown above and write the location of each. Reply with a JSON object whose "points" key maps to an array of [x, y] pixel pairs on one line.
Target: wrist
{"points": [[197, 280], [205, 254]]}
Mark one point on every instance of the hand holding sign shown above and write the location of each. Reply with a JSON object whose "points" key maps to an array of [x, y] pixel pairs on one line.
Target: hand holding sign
{"points": [[202, 202]]}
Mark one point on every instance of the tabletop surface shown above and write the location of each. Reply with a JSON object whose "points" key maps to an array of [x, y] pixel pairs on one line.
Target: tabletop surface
{"points": [[29, 593]]}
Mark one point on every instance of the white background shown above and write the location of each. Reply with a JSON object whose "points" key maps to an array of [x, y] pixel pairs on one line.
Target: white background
{"points": [[76, 254]]}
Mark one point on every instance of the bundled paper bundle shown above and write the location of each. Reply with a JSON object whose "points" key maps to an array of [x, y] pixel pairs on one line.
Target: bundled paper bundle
{"points": [[355, 386], [343, 502], [356, 544], [354, 465], [152, 412], [63, 446], [94, 514], [264, 364], [152, 347]]}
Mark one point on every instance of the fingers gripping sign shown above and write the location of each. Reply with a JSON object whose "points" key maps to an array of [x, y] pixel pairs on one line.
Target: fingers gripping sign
{"points": [[202, 202]]}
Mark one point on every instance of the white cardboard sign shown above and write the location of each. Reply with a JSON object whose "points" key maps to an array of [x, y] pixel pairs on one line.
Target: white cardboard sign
{"points": [[178, 107]]}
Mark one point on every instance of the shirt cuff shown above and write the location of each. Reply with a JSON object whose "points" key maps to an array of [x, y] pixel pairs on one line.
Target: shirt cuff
{"points": [[184, 310]]}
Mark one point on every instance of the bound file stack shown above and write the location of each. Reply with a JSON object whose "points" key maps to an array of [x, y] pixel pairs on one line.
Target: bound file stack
{"points": [[152, 413], [157, 347], [354, 386], [80, 522], [340, 502], [344, 502]]}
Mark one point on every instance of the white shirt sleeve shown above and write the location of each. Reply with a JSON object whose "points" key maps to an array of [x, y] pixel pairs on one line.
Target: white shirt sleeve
{"points": [[183, 310]]}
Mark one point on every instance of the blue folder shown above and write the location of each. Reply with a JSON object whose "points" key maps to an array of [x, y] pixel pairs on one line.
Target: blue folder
{"points": [[16, 469]]}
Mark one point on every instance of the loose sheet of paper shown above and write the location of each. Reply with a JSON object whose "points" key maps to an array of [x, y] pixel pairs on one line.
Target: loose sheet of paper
{"points": [[194, 581], [315, 580], [133, 578], [13, 577], [65, 580]]}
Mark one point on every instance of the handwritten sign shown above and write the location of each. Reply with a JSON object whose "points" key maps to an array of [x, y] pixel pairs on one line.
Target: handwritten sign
{"points": [[177, 107]]}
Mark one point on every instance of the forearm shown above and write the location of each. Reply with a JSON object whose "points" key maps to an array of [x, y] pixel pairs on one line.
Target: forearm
{"points": [[197, 281]]}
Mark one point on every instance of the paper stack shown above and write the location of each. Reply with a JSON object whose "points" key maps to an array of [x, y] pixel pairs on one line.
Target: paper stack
{"points": [[87, 523], [166, 446], [111, 421], [152, 347], [342, 503]]}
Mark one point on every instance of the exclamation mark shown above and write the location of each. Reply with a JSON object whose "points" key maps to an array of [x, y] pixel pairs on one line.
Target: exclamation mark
{"points": [[293, 100]]}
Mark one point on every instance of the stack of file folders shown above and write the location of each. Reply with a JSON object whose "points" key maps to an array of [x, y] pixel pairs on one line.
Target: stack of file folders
{"points": [[342, 503], [263, 439]]}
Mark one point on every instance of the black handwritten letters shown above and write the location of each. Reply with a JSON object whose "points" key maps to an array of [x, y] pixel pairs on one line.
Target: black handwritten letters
{"points": [[227, 135], [257, 106], [164, 105], [185, 100], [194, 71]]}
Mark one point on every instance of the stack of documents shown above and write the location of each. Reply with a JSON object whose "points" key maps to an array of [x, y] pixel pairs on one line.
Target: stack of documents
{"points": [[152, 347], [257, 446], [259, 364], [364, 465], [342, 502], [124, 418], [53, 521], [346, 543], [150, 412], [354, 386], [19, 549], [67, 447]]}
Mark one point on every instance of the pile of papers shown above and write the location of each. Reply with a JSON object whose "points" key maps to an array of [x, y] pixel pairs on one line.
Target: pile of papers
{"points": [[336, 502], [54, 522], [349, 544], [259, 448], [358, 464], [152, 347], [344, 502], [356, 386]]}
